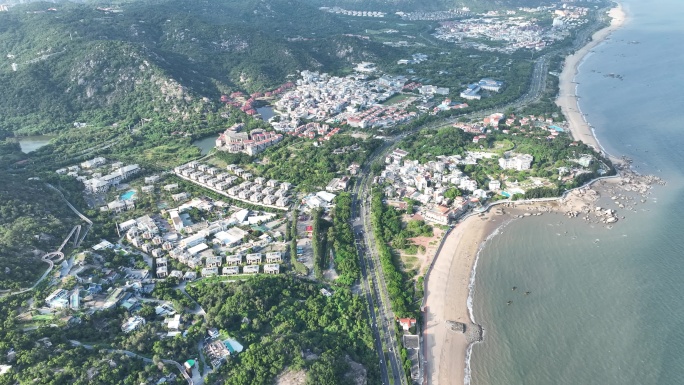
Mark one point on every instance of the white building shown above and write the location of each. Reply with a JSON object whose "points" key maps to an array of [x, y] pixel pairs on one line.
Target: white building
{"points": [[490, 84], [192, 241], [274, 257], [479, 193], [252, 269], [162, 271], [233, 260], [95, 162], [180, 196], [253, 259], [213, 261], [230, 237], [132, 324], [104, 244], [272, 268], [99, 185], [518, 162], [58, 299], [471, 93], [439, 214], [127, 225], [198, 249], [176, 220]]}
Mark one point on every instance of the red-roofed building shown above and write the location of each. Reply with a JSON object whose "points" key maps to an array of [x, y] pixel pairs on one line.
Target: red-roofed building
{"points": [[407, 323]]}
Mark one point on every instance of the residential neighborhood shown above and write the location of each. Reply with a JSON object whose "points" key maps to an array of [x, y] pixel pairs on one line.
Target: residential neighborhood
{"points": [[352, 99], [251, 189], [515, 29]]}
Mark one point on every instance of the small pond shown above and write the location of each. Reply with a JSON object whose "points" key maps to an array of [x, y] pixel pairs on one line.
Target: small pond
{"points": [[34, 142]]}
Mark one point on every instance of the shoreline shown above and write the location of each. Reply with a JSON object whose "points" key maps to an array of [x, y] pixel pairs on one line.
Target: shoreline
{"points": [[451, 280], [567, 99]]}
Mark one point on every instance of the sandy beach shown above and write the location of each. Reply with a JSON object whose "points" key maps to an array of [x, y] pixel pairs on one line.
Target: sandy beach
{"points": [[448, 281], [447, 293], [567, 97]]}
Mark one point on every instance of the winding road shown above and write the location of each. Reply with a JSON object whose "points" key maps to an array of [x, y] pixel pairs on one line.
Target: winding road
{"points": [[49, 257], [180, 367]]}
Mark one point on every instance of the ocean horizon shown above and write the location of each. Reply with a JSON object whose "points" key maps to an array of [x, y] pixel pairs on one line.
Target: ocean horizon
{"points": [[604, 303]]}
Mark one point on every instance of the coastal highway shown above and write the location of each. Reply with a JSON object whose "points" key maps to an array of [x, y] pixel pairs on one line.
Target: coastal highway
{"points": [[372, 308], [373, 282]]}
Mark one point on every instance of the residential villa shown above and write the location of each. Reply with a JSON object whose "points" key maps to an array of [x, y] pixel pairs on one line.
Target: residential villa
{"points": [[58, 299], [253, 259], [274, 257], [518, 162], [252, 143], [272, 268], [102, 184], [233, 260], [439, 214], [132, 324], [254, 269]]}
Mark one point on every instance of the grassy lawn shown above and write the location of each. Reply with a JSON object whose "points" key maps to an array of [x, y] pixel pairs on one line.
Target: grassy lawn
{"points": [[501, 146], [220, 278], [410, 262], [396, 99], [216, 162], [43, 317]]}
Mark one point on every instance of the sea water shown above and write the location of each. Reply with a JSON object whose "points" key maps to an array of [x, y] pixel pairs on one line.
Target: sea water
{"points": [[606, 306]]}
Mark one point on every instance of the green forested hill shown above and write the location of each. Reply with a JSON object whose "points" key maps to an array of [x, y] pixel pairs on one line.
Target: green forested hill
{"points": [[66, 62], [80, 63]]}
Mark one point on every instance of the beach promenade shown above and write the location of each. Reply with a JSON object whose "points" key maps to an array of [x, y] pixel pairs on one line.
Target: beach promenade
{"points": [[448, 284]]}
